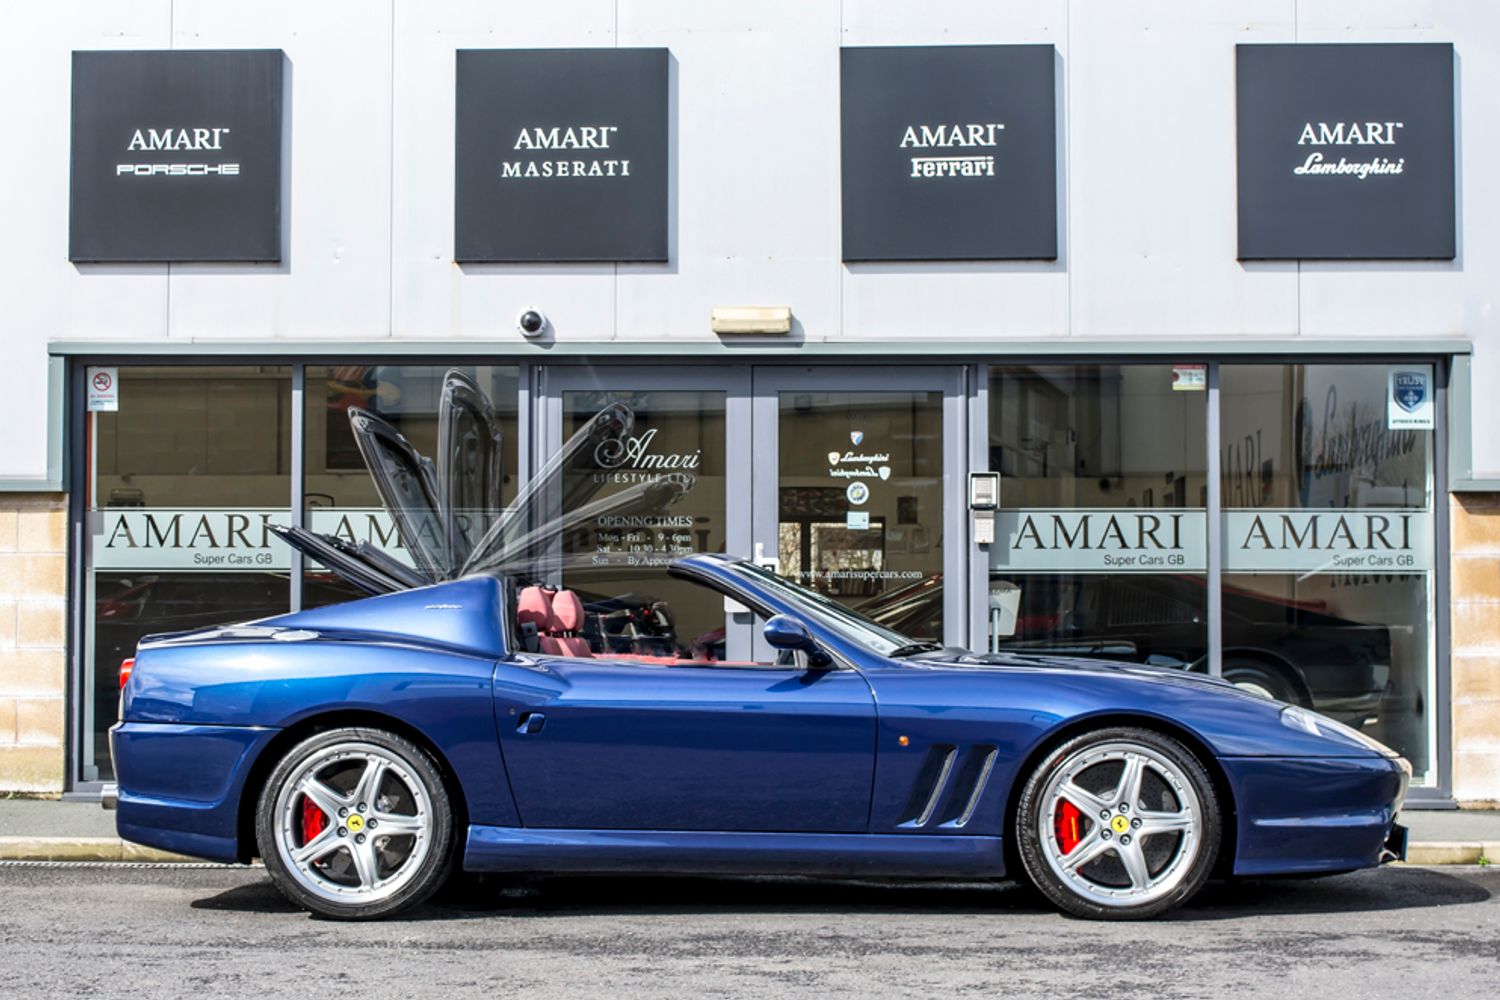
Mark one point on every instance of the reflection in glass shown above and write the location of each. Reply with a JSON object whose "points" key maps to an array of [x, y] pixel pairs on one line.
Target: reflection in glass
{"points": [[1100, 543], [616, 559], [860, 488], [1328, 544], [184, 480], [343, 498]]}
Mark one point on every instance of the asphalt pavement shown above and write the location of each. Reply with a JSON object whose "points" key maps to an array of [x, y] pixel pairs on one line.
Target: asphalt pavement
{"points": [[143, 932]]}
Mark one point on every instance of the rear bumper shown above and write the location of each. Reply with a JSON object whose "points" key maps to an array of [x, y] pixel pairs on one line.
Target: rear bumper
{"points": [[180, 787], [1310, 815]]}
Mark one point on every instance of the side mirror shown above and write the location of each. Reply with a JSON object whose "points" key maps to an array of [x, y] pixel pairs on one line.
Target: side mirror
{"points": [[785, 632]]}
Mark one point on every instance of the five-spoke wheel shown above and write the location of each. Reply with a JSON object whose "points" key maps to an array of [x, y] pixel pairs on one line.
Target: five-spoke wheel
{"points": [[355, 823], [1119, 823]]}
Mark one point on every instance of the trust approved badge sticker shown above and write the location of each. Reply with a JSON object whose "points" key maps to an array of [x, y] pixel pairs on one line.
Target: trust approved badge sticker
{"points": [[857, 493], [1408, 400]]}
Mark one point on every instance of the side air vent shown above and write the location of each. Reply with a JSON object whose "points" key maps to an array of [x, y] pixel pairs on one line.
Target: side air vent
{"points": [[927, 789], [968, 786]]}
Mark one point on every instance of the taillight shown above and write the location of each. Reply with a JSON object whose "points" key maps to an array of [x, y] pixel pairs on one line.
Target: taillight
{"points": [[126, 666]]}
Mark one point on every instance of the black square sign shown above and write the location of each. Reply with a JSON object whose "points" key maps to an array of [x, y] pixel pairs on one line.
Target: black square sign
{"points": [[949, 153], [176, 156], [1346, 151], [561, 155]]}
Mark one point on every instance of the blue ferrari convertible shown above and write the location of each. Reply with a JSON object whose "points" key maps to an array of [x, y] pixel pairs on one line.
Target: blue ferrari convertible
{"points": [[476, 715]]}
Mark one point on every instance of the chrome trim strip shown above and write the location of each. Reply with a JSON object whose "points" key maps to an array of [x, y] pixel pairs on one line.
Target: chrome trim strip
{"points": [[937, 788], [979, 782]]}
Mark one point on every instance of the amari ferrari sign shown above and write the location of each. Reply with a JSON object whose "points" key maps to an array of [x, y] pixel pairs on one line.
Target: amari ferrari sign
{"points": [[176, 156], [949, 153], [561, 155], [1346, 151]]}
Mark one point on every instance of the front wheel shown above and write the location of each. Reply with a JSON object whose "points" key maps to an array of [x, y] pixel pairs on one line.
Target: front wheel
{"points": [[355, 824], [1118, 824]]}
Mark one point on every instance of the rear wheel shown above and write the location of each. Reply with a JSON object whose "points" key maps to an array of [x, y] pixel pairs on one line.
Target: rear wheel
{"points": [[355, 824], [1118, 824], [1262, 679]]}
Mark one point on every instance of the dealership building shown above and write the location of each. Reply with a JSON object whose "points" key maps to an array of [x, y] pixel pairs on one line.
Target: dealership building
{"points": [[1163, 332]]}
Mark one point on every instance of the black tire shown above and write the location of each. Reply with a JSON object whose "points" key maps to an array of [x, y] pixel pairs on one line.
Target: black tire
{"points": [[1197, 862], [1261, 678], [428, 875]]}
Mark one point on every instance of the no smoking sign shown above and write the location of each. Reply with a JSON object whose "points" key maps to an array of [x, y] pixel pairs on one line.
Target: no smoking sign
{"points": [[103, 390]]}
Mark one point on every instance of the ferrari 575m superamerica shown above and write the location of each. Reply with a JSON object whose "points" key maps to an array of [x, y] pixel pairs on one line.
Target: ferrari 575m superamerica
{"points": [[474, 715], [367, 750]]}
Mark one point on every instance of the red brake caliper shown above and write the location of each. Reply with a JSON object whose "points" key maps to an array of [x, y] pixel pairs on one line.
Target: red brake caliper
{"points": [[313, 820], [1069, 825]]}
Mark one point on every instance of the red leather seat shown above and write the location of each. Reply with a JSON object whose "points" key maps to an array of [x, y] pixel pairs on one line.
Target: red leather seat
{"points": [[534, 607], [562, 638]]}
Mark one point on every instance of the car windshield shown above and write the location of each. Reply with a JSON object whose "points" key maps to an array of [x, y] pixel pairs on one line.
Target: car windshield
{"points": [[830, 613]]}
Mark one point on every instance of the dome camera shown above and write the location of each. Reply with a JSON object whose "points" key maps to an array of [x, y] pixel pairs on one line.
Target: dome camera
{"points": [[531, 323]]}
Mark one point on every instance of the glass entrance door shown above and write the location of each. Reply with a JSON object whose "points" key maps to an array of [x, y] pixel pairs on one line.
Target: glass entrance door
{"points": [[853, 474], [646, 465]]}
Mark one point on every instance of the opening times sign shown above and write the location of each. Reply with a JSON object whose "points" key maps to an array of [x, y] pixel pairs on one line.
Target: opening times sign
{"points": [[1162, 540]]}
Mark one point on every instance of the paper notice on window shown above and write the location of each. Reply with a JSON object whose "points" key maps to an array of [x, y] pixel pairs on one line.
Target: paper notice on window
{"points": [[1190, 378]]}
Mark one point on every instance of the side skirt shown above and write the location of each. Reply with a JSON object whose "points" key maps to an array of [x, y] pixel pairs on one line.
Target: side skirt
{"points": [[514, 849]]}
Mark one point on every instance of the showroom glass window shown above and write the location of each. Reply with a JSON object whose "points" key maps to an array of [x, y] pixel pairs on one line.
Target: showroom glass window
{"points": [[341, 499], [1328, 545], [1099, 548], [182, 481], [673, 459]]}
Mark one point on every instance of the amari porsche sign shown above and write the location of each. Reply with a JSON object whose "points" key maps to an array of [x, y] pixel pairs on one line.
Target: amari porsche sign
{"points": [[1346, 151], [949, 152], [176, 156], [561, 155]]}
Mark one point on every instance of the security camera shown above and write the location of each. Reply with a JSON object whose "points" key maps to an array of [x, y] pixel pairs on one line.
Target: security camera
{"points": [[531, 323]]}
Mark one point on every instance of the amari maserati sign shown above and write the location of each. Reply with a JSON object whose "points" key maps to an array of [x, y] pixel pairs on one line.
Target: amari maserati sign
{"points": [[561, 155], [949, 152], [1346, 151], [176, 156]]}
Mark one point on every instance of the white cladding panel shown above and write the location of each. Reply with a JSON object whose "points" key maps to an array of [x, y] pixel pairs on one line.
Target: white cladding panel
{"points": [[1147, 224]]}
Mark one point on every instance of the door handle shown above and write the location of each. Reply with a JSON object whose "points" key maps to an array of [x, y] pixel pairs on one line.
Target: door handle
{"points": [[531, 722]]}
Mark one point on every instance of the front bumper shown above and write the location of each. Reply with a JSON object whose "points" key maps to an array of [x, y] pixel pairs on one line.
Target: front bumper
{"points": [[1306, 815]]}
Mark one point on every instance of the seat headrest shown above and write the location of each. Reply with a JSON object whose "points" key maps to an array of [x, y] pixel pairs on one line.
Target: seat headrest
{"points": [[567, 611], [534, 607]]}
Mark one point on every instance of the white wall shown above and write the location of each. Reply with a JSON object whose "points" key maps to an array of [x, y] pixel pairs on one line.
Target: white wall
{"points": [[1147, 210]]}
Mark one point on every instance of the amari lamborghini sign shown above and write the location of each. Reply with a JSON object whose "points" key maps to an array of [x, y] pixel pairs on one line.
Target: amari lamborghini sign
{"points": [[1346, 151]]}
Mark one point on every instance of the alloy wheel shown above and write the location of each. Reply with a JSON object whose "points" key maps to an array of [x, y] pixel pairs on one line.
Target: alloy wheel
{"points": [[353, 824], [1120, 824]]}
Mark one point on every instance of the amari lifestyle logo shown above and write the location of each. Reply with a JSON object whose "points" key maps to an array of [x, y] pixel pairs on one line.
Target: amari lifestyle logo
{"points": [[189, 139], [1324, 140], [969, 136], [633, 460], [565, 151]]}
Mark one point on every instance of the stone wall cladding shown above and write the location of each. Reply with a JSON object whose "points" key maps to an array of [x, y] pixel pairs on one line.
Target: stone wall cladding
{"points": [[33, 641], [1476, 648]]}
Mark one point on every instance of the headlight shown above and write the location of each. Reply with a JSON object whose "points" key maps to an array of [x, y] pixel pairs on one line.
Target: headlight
{"points": [[1314, 724]]}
